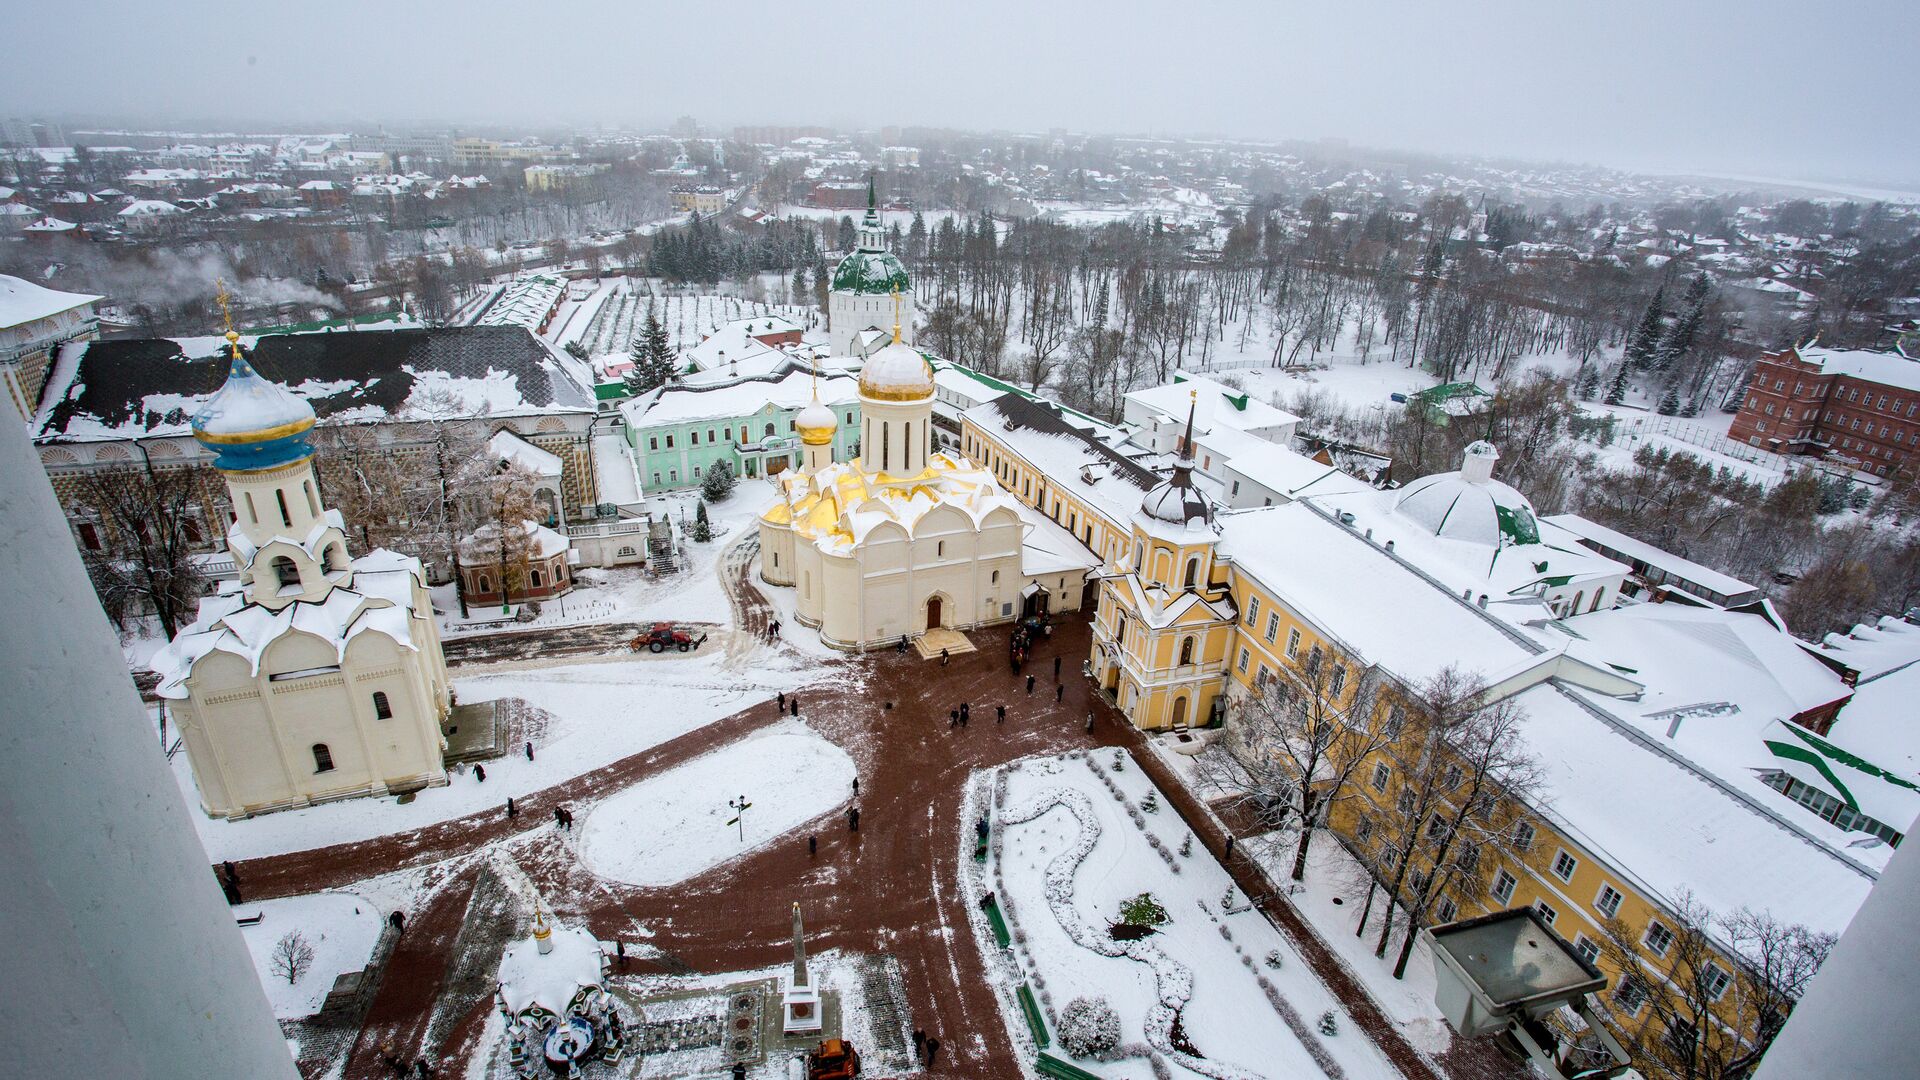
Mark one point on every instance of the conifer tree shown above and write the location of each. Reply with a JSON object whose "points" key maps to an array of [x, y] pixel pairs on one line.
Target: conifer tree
{"points": [[718, 483], [702, 528], [1588, 386], [1677, 342], [653, 359], [917, 237], [1617, 392], [1670, 402], [1645, 339]]}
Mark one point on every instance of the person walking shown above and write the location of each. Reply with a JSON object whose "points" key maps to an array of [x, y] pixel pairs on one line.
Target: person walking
{"points": [[231, 889], [813, 845], [783, 701], [1089, 721], [953, 718], [856, 785], [902, 647], [1059, 693], [1229, 853], [510, 809], [1029, 684], [1056, 669], [793, 703], [964, 710], [853, 819], [999, 714], [943, 658], [398, 920], [620, 954], [919, 1045], [933, 1051], [529, 750], [233, 872], [479, 773]]}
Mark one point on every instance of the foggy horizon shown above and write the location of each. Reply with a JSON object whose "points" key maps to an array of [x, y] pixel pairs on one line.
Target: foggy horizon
{"points": [[1702, 91]]}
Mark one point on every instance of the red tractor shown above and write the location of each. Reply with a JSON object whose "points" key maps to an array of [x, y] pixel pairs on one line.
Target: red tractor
{"points": [[835, 1060], [663, 636]]}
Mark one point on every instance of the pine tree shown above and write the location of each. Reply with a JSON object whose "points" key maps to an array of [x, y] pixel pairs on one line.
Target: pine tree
{"points": [[1694, 404], [847, 237], [799, 283], [702, 528], [1645, 339], [917, 237], [1677, 342], [653, 358], [1617, 392], [718, 483], [1670, 402], [1589, 385]]}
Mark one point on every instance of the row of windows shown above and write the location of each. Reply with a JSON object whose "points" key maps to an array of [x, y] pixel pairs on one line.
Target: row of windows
{"points": [[714, 435]]}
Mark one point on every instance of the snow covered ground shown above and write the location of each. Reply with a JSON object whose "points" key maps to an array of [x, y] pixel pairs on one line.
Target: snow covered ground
{"points": [[679, 824], [606, 321], [341, 927], [1062, 949], [587, 716]]}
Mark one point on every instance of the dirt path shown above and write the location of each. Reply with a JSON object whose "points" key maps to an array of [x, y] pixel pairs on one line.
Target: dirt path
{"points": [[890, 888]]}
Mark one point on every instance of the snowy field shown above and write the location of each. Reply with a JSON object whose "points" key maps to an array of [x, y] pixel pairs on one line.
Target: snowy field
{"points": [[587, 715], [341, 927], [1206, 968], [678, 824]]}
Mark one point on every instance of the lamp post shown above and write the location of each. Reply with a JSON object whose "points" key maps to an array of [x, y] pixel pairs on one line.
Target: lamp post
{"points": [[739, 807]]}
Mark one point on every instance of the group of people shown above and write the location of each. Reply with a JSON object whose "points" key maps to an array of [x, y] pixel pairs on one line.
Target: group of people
{"points": [[398, 1066], [1022, 641], [773, 629]]}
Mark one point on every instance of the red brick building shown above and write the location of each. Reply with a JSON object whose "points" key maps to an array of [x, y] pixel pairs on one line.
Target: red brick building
{"points": [[1857, 406]]}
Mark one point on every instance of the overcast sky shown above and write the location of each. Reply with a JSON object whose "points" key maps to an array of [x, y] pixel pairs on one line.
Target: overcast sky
{"points": [[1764, 87]]}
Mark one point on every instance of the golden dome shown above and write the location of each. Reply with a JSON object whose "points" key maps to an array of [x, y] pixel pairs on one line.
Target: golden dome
{"points": [[898, 372]]}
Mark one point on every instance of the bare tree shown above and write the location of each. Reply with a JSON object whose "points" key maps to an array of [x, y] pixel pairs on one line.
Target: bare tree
{"points": [[1297, 741], [1702, 996], [1465, 768], [291, 957], [152, 537], [452, 439], [508, 508]]}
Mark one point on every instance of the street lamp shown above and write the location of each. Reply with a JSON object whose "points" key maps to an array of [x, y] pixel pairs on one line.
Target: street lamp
{"points": [[739, 807]]}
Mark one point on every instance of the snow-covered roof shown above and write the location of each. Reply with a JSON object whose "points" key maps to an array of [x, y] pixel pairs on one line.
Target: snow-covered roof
{"points": [[1371, 602], [1093, 471], [149, 208], [898, 372], [482, 545], [1885, 368], [688, 404], [1659, 822], [1579, 528], [380, 601], [526, 302], [145, 387], [22, 302], [506, 445], [1874, 650], [529, 977], [1214, 404]]}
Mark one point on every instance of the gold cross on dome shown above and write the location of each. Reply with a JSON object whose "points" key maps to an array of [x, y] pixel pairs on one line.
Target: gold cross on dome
{"points": [[896, 316]]}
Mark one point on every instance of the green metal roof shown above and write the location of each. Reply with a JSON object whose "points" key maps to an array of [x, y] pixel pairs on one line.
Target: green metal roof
{"points": [[871, 273]]}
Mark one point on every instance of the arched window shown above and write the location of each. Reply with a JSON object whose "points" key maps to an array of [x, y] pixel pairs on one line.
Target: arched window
{"points": [[1186, 651], [280, 496], [322, 758], [486, 584], [1193, 571], [285, 571], [769, 430], [313, 504], [534, 576], [382, 708], [253, 515], [1597, 597], [336, 558], [940, 549], [1577, 597]]}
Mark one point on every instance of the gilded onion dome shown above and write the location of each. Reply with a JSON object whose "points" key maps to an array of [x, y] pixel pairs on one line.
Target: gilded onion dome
{"points": [[250, 423]]}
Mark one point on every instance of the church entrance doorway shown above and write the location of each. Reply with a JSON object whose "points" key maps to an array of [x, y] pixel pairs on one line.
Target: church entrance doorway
{"points": [[1034, 601], [933, 613], [776, 465], [1179, 713]]}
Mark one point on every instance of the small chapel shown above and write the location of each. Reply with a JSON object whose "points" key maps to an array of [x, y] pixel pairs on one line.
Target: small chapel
{"points": [[314, 675], [906, 539]]}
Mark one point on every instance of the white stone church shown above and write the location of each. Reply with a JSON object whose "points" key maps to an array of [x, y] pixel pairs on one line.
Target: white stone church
{"points": [[907, 539], [314, 676]]}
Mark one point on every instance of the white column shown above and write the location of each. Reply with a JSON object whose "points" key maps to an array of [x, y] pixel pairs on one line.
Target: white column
{"points": [[122, 958]]}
